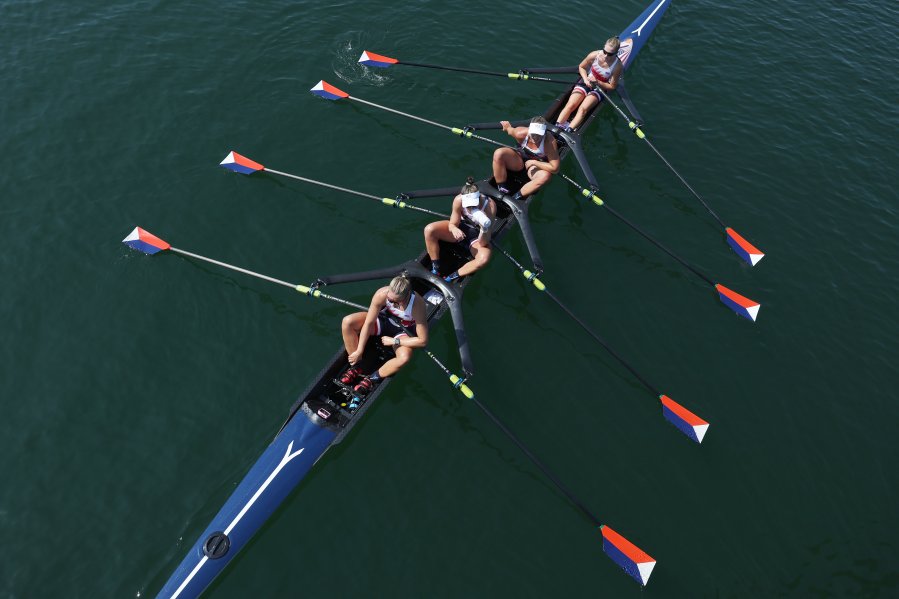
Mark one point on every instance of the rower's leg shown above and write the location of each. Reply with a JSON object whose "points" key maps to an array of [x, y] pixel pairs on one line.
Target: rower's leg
{"points": [[350, 328], [574, 100], [393, 365], [481, 258], [504, 160], [538, 180], [586, 106], [434, 233]]}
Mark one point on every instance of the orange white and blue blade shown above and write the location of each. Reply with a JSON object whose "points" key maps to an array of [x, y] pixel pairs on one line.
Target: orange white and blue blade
{"points": [[631, 558], [328, 92], [743, 306], [370, 59], [744, 249], [145, 242], [686, 421], [240, 164]]}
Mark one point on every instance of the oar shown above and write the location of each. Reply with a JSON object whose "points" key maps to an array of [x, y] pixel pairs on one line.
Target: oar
{"points": [[148, 243], [327, 91], [371, 59], [636, 562], [742, 305], [741, 246], [241, 164], [686, 421]]}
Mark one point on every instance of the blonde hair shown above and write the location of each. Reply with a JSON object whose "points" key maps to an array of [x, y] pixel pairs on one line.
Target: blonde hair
{"points": [[469, 186], [616, 43], [401, 287]]}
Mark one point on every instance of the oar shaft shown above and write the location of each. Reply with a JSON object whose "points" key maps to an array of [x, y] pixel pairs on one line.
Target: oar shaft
{"points": [[605, 345], [543, 468], [323, 184], [384, 201], [235, 268], [639, 132], [521, 75], [659, 245], [401, 113], [684, 181], [645, 235], [542, 287], [455, 130], [457, 69]]}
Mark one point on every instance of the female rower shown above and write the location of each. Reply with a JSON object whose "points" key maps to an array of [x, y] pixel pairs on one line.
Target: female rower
{"points": [[537, 154], [394, 310], [472, 216], [605, 69]]}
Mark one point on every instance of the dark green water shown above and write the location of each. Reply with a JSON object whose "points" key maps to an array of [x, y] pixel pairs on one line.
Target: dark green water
{"points": [[137, 391]]}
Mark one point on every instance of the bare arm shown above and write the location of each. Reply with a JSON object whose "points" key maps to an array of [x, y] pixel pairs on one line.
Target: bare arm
{"points": [[378, 301], [582, 68], [421, 326], [456, 219], [490, 211], [519, 133], [613, 79], [553, 161]]}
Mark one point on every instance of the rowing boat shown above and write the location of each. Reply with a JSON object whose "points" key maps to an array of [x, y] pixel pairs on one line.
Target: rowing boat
{"points": [[326, 412]]}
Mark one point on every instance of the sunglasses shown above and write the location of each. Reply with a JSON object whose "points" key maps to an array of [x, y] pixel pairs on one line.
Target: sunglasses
{"points": [[609, 53]]}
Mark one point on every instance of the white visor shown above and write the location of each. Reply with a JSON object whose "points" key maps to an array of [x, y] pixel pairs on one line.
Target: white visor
{"points": [[537, 129], [471, 199]]}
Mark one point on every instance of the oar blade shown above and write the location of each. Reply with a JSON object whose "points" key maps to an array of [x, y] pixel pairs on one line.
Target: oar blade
{"points": [[740, 304], [145, 242], [240, 164], [325, 90], [636, 562], [370, 59], [686, 421], [744, 249]]}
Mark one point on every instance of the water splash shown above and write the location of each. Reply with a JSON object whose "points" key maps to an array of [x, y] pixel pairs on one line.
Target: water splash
{"points": [[346, 63]]}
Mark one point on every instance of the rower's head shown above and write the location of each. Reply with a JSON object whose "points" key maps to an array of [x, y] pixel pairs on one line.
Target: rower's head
{"points": [[469, 187], [399, 290], [610, 49], [537, 129]]}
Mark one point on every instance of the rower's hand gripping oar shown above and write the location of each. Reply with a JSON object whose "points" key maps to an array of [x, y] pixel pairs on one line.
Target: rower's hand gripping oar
{"points": [[636, 562], [742, 305], [144, 241], [686, 421], [745, 250], [243, 165]]}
